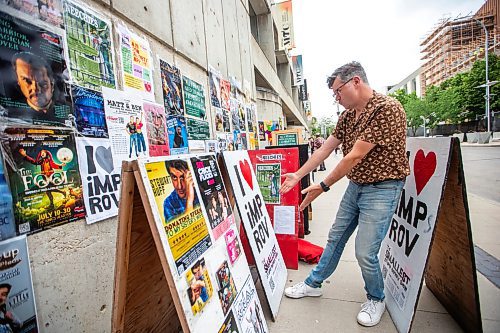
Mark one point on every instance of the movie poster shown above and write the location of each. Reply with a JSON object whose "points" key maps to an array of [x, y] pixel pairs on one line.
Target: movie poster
{"points": [[100, 178], [225, 93], [30, 57], [227, 290], [46, 185], [229, 325], [17, 308], [89, 112], [125, 120], [177, 135], [214, 80], [136, 63], [213, 193], [49, 11], [194, 98], [232, 245], [7, 224], [156, 125], [180, 211], [269, 179], [248, 311], [172, 89], [90, 47], [200, 288]]}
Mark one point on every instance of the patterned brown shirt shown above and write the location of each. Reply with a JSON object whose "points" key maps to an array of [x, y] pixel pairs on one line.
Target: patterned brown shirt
{"points": [[383, 123]]}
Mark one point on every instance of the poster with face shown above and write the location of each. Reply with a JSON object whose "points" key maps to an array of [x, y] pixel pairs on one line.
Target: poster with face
{"points": [[89, 114], [32, 85], [200, 287], [172, 89], [156, 125], [225, 92], [227, 289], [49, 11], [177, 135]]}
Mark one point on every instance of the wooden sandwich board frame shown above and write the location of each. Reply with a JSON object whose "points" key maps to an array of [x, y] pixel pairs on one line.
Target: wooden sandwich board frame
{"points": [[444, 251]]}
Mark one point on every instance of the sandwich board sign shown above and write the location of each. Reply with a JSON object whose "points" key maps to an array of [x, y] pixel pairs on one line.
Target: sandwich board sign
{"points": [[430, 236], [179, 264]]}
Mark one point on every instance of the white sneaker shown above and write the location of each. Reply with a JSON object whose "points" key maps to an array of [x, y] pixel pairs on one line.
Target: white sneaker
{"points": [[302, 290], [371, 312]]}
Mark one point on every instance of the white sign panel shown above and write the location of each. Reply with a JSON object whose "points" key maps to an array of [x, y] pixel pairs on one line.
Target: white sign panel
{"points": [[260, 233], [100, 178], [404, 251]]}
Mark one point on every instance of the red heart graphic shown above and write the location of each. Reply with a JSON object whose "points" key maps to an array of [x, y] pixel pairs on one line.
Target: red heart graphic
{"points": [[246, 171], [423, 169]]}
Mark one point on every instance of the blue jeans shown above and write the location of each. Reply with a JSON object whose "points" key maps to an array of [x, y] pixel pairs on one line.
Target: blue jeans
{"points": [[370, 207]]}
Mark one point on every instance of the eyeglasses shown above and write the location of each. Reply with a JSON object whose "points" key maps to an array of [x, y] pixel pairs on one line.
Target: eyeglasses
{"points": [[337, 91]]}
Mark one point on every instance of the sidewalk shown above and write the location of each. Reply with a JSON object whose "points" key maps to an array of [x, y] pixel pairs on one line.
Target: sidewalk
{"points": [[343, 292]]}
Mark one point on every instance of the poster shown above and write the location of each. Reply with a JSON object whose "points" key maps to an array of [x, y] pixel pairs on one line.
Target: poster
{"points": [[125, 121], [214, 80], [211, 146], [137, 64], [232, 245], [7, 224], [18, 310], [250, 117], [404, 251], [227, 289], [197, 129], [179, 208], [89, 112], [248, 311], [100, 178], [258, 227], [213, 194], [262, 131], [221, 120], [172, 89], [235, 114], [200, 288], [49, 11], [269, 179], [194, 98], [156, 128], [222, 141], [225, 93], [177, 135], [229, 325], [90, 47], [32, 86], [45, 182]]}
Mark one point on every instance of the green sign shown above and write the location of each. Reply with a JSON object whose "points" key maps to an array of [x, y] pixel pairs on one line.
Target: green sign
{"points": [[287, 139], [194, 99], [198, 129]]}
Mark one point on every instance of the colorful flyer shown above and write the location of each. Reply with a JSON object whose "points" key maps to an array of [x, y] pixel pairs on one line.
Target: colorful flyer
{"points": [[225, 93], [32, 87], [49, 11], [229, 325], [200, 288], [90, 47], [232, 245], [268, 177], [89, 112], [194, 98], [45, 182], [227, 290], [213, 194], [156, 125], [172, 89], [180, 210], [101, 179], [17, 304], [177, 135]]}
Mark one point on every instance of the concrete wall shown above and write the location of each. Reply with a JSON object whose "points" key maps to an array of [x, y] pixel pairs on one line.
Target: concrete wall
{"points": [[73, 265]]}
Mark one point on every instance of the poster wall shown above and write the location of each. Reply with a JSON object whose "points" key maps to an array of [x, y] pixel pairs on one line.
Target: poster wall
{"points": [[156, 128], [101, 178], [177, 135], [125, 120], [33, 55], [18, 312], [44, 178], [90, 47], [194, 98], [172, 89], [405, 249], [258, 227], [89, 112]]}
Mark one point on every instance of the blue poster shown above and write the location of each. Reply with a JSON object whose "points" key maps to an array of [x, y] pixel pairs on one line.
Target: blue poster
{"points": [[7, 225], [177, 135], [89, 112]]}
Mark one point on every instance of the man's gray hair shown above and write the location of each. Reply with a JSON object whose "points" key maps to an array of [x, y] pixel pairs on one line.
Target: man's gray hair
{"points": [[347, 72]]}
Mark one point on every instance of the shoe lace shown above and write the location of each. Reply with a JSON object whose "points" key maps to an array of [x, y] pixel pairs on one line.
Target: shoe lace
{"points": [[299, 286], [369, 307]]}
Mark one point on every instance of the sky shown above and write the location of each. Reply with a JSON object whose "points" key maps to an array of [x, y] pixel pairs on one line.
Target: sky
{"points": [[384, 36]]}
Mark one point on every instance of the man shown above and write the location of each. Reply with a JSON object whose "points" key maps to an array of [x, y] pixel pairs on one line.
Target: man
{"points": [[8, 321], [372, 132], [35, 79], [178, 139], [183, 198], [318, 142]]}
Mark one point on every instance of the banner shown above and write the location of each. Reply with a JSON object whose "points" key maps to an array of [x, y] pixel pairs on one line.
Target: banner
{"points": [[303, 94], [89, 112], [32, 87], [180, 211], [90, 47], [137, 64], [198, 129], [49, 11], [284, 23], [7, 224], [194, 98], [18, 312], [298, 70], [156, 125], [124, 117], [45, 182], [172, 89], [177, 135], [101, 179]]}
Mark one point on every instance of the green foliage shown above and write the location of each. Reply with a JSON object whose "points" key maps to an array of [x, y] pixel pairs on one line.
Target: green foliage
{"points": [[328, 122]]}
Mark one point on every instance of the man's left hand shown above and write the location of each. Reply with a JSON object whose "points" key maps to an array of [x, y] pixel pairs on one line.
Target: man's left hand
{"points": [[312, 192]]}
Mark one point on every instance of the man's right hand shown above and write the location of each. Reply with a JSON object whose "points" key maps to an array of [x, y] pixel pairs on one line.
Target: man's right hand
{"points": [[291, 179]]}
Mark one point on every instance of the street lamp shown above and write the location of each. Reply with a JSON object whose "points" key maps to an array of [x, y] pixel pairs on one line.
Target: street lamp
{"points": [[426, 120]]}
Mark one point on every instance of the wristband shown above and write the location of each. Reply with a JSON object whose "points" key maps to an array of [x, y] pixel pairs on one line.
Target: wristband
{"points": [[324, 187]]}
